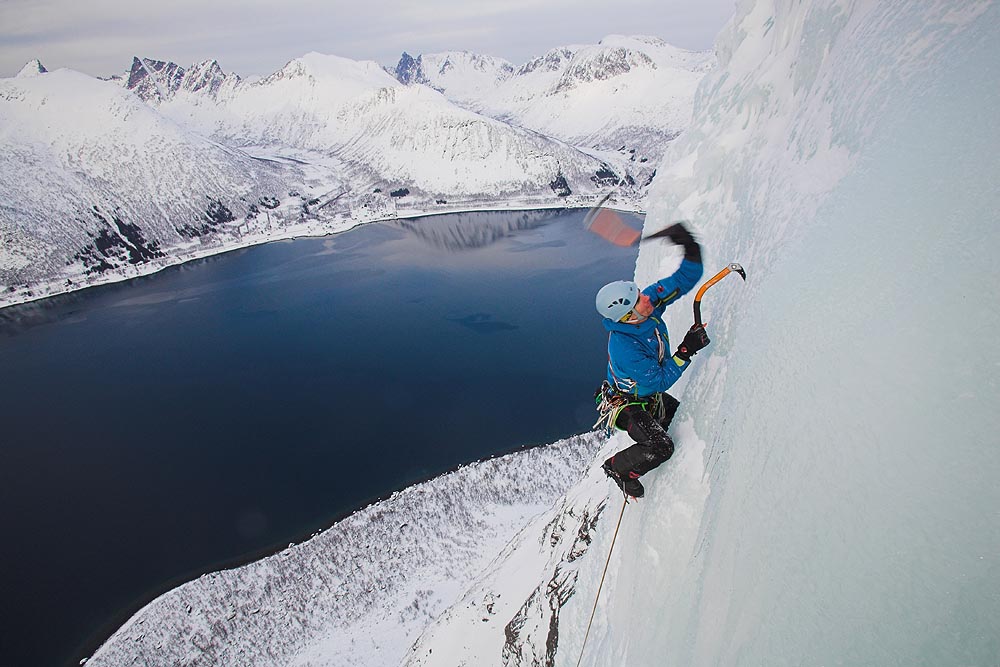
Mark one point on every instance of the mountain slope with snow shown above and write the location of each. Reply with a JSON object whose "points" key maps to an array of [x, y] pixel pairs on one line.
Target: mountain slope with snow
{"points": [[833, 495], [464, 77], [382, 133], [360, 592], [97, 181], [626, 96]]}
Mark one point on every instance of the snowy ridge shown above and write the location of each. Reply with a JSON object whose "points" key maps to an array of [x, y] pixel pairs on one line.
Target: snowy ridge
{"points": [[626, 97], [32, 68], [464, 77], [359, 592], [155, 80]]}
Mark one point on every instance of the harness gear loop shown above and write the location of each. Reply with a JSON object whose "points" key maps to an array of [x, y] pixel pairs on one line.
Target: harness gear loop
{"points": [[611, 402]]}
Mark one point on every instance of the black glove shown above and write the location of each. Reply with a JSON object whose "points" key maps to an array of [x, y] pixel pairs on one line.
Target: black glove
{"points": [[695, 339], [679, 234]]}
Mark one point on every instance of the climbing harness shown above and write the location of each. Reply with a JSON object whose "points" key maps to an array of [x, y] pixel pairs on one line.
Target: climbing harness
{"points": [[611, 402], [601, 585]]}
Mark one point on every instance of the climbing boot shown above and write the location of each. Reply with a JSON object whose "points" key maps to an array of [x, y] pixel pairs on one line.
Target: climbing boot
{"points": [[629, 482]]}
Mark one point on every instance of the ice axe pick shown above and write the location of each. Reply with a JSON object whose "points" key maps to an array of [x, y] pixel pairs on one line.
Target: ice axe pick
{"points": [[732, 268]]}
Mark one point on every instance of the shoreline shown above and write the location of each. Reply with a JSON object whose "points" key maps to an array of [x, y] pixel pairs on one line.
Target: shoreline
{"points": [[312, 229]]}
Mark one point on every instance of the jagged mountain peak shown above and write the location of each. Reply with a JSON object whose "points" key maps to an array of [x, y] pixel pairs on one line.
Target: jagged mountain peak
{"points": [[32, 68], [157, 81], [206, 76], [154, 80], [602, 63], [409, 69], [552, 61], [446, 69]]}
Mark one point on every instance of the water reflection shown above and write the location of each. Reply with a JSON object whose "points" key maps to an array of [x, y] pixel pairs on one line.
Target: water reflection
{"points": [[483, 323], [465, 231]]}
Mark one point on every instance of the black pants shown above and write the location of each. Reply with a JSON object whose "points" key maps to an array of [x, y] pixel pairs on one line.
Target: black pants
{"points": [[647, 425]]}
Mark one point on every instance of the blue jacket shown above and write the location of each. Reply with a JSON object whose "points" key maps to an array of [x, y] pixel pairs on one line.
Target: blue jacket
{"points": [[640, 360]]}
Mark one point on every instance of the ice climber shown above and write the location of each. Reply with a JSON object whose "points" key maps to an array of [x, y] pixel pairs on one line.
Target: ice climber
{"points": [[640, 370]]}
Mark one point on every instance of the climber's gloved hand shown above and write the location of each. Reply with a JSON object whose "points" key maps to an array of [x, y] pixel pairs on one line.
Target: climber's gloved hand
{"points": [[694, 340], [679, 235]]}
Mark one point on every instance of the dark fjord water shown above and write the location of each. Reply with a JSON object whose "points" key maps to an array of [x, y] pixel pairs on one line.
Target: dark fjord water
{"points": [[158, 429]]}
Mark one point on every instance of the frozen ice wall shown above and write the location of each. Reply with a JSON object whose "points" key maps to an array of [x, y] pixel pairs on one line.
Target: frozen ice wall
{"points": [[845, 505]]}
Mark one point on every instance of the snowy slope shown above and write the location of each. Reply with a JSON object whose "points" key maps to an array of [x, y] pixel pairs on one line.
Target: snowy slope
{"points": [[625, 95], [833, 499], [360, 592], [96, 181]]}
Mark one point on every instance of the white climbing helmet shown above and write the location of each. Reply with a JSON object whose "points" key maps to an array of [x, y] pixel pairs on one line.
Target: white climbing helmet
{"points": [[616, 300]]}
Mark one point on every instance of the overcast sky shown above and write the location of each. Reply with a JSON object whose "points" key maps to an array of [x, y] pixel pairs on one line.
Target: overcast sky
{"points": [[257, 37]]}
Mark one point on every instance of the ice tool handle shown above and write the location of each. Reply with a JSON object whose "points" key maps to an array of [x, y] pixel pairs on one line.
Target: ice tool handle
{"points": [[732, 268]]}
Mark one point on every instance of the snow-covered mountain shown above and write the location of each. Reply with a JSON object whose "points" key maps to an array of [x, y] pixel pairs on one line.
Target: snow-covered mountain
{"points": [[95, 181], [383, 133], [625, 96], [464, 77], [164, 163], [32, 68]]}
